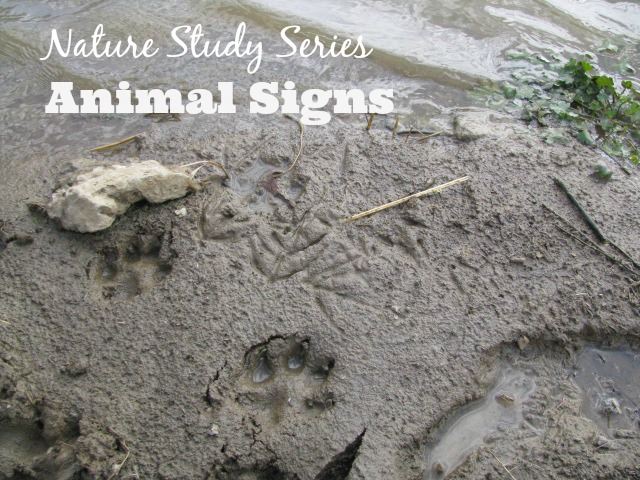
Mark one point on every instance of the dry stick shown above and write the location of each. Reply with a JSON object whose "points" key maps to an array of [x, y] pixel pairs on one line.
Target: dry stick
{"points": [[118, 466], [585, 241], [204, 163], [628, 257], [395, 125], [408, 135], [426, 137], [111, 145], [409, 132], [370, 122], [503, 465], [429, 191], [593, 246], [584, 214], [592, 224], [301, 127]]}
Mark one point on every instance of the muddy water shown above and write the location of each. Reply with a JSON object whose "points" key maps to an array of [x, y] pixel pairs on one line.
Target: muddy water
{"points": [[610, 383], [478, 423], [432, 53]]}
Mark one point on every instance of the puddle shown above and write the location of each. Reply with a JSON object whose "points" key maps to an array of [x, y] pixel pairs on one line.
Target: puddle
{"points": [[20, 443], [263, 372], [610, 384], [263, 190], [468, 429]]}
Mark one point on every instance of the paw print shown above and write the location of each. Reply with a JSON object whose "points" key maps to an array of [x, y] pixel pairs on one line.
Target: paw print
{"points": [[126, 270], [286, 376]]}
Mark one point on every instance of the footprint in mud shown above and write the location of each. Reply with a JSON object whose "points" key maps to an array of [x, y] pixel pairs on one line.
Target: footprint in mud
{"points": [[478, 423], [36, 441], [128, 269], [286, 376], [610, 384], [311, 249]]}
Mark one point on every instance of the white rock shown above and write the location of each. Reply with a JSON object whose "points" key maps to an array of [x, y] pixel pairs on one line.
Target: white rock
{"points": [[96, 198], [523, 342], [181, 212], [470, 125]]}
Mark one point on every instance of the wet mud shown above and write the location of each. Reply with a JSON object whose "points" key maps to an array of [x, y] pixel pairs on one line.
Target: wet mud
{"points": [[245, 331]]}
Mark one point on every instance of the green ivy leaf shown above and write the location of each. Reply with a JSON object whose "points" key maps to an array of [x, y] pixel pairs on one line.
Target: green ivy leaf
{"points": [[604, 81], [586, 66], [509, 91], [585, 138], [603, 173]]}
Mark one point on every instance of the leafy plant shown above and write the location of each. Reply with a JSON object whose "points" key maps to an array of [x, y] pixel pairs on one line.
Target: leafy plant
{"points": [[602, 172], [572, 95]]}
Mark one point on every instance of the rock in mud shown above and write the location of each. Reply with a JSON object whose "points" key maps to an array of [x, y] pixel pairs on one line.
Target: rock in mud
{"points": [[523, 342], [96, 198], [471, 125]]}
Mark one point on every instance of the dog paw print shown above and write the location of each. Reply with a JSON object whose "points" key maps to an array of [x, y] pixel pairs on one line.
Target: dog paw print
{"points": [[128, 269], [286, 376]]}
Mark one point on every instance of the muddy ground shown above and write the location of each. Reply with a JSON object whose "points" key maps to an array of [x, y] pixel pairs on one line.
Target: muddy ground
{"points": [[260, 337]]}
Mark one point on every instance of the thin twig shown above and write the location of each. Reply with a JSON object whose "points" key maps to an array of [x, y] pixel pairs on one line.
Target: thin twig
{"points": [[503, 465], [118, 466], [592, 224], [558, 406], [301, 127], [426, 137], [429, 191], [395, 125], [5, 322], [584, 214], [370, 122], [625, 254], [111, 145], [585, 241], [411, 131], [593, 246], [408, 134], [204, 163]]}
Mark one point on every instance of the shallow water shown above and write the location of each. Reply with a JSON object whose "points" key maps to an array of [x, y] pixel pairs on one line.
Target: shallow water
{"points": [[478, 423], [610, 383], [431, 53]]}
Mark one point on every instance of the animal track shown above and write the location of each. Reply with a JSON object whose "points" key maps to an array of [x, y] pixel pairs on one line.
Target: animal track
{"points": [[36, 441], [312, 249], [126, 270], [285, 374]]}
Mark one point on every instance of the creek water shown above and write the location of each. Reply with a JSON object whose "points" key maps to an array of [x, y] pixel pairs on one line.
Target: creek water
{"points": [[432, 53]]}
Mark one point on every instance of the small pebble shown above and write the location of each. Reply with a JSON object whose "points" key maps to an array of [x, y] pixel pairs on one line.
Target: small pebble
{"points": [[439, 468], [602, 442], [181, 212], [523, 342]]}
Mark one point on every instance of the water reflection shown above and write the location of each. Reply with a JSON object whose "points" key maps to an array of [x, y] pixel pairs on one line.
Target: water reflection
{"points": [[431, 53]]}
